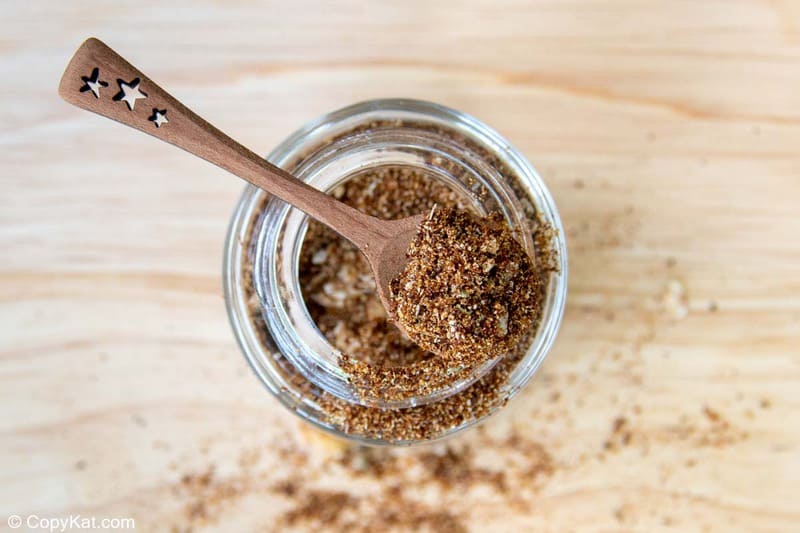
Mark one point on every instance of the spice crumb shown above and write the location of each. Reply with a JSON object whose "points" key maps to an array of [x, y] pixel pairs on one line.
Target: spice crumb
{"points": [[711, 414]]}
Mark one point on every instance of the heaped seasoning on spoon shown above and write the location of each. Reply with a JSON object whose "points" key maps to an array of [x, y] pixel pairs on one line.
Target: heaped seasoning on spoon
{"points": [[469, 291]]}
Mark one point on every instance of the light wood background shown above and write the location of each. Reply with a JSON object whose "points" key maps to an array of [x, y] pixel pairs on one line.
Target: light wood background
{"points": [[668, 132]]}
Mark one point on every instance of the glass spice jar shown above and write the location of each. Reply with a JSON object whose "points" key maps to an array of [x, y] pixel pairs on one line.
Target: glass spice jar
{"points": [[262, 279]]}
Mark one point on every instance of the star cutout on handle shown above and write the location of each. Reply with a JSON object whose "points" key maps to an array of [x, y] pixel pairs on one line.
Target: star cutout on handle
{"points": [[93, 83], [158, 117], [129, 92]]}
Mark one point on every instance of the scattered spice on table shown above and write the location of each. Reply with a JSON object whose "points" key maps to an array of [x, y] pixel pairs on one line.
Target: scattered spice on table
{"points": [[375, 489]]}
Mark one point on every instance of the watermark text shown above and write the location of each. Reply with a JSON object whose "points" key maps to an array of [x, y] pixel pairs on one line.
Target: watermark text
{"points": [[67, 523]]}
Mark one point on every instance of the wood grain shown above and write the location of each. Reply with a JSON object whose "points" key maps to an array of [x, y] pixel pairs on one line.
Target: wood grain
{"points": [[668, 133], [383, 242]]}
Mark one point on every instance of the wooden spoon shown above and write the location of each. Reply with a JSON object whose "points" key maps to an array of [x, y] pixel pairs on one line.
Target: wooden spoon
{"points": [[98, 79]]}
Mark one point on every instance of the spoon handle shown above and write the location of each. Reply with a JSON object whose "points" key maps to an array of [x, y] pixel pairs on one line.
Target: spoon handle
{"points": [[99, 80]]}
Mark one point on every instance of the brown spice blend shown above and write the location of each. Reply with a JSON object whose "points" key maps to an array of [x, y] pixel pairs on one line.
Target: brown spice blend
{"points": [[337, 283], [373, 333], [469, 290], [339, 290]]}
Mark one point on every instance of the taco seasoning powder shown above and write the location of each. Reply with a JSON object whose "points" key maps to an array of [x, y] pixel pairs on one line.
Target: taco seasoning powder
{"points": [[339, 293]]}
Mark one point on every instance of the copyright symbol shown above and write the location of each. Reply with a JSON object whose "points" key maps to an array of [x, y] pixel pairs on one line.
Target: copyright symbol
{"points": [[14, 521]]}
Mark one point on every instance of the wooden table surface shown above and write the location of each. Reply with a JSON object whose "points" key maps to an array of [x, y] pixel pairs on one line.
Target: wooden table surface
{"points": [[669, 134]]}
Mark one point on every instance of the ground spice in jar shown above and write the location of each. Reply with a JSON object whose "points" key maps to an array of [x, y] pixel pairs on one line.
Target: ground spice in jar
{"points": [[453, 249], [469, 290], [339, 291], [354, 322], [337, 283]]}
